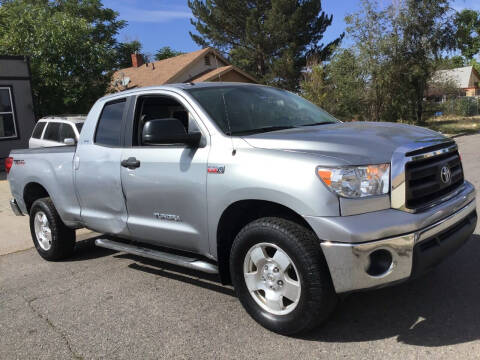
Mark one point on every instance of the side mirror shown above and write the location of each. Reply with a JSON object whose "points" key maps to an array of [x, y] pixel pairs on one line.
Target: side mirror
{"points": [[69, 141], [168, 131]]}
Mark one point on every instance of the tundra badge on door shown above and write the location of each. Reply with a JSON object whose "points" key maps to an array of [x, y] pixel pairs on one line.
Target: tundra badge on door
{"points": [[168, 217]]}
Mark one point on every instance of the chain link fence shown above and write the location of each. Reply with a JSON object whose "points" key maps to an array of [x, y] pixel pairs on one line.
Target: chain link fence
{"points": [[460, 106]]}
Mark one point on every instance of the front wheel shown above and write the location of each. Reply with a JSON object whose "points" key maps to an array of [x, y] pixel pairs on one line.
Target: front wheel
{"points": [[281, 276], [51, 237]]}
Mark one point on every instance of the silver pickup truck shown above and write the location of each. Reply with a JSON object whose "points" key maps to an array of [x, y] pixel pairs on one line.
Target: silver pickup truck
{"points": [[290, 205]]}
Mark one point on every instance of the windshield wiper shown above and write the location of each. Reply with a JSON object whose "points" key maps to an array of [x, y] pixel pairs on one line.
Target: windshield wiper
{"points": [[263, 129]]}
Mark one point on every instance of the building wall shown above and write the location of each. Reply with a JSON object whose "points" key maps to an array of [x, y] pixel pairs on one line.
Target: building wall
{"points": [[15, 74], [233, 76], [198, 67], [471, 92], [473, 81]]}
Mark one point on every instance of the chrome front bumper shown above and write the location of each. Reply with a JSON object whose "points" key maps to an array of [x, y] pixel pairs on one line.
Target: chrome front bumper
{"points": [[15, 208], [348, 263]]}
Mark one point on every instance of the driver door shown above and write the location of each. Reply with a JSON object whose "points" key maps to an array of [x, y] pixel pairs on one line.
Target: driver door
{"points": [[166, 193]]}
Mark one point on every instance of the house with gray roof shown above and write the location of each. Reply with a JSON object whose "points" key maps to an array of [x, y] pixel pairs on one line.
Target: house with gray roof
{"points": [[465, 79]]}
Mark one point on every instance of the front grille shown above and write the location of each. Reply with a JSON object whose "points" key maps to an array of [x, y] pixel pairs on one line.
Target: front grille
{"points": [[423, 179]]}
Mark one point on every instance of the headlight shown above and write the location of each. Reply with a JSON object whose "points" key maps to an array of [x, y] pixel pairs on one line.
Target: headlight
{"points": [[356, 181]]}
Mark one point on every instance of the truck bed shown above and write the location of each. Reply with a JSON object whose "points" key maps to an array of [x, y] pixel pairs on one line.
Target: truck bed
{"points": [[51, 169], [45, 150]]}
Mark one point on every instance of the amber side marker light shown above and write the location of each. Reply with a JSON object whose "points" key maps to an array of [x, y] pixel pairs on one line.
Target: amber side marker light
{"points": [[325, 175]]}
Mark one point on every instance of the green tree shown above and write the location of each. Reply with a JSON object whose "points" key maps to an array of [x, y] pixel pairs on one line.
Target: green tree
{"points": [[124, 52], [338, 86], [446, 63], [166, 52], [271, 39], [316, 87], [475, 64], [395, 52], [368, 29], [468, 32], [426, 31], [71, 45]]}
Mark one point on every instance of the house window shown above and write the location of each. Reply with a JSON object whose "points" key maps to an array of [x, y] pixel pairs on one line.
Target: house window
{"points": [[7, 116], [207, 60]]}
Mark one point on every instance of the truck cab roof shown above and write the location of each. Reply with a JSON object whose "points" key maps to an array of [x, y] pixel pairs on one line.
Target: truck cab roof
{"points": [[178, 86]]}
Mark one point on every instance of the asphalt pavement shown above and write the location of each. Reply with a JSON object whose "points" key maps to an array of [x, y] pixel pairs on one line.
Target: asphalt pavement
{"points": [[103, 304]]}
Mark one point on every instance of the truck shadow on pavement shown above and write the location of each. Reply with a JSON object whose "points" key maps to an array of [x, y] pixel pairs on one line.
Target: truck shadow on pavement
{"points": [[192, 277], [438, 309], [86, 250], [441, 308]]}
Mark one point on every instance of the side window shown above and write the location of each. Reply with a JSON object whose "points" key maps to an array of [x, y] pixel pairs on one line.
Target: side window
{"points": [[157, 107], [109, 127], [37, 132], [52, 132], [66, 131]]}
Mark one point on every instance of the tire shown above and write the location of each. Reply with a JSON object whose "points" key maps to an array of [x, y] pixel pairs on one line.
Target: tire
{"points": [[305, 297], [54, 241]]}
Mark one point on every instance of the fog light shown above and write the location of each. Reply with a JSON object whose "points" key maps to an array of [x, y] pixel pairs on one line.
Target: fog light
{"points": [[380, 263]]}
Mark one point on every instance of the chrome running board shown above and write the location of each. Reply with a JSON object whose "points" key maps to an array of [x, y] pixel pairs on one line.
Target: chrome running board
{"points": [[174, 259]]}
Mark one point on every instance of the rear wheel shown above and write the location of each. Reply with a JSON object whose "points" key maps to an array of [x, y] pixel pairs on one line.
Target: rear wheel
{"points": [[51, 237], [281, 277]]}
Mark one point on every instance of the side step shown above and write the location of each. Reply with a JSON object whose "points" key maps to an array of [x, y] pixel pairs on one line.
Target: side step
{"points": [[179, 260]]}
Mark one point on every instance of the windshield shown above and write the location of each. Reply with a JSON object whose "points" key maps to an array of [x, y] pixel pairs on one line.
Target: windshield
{"points": [[243, 110]]}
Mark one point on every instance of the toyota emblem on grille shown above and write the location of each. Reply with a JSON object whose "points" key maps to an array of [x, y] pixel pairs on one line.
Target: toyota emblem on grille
{"points": [[445, 174]]}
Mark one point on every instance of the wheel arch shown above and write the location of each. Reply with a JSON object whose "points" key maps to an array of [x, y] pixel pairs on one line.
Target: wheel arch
{"points": [[32, 192], [239, 214]]}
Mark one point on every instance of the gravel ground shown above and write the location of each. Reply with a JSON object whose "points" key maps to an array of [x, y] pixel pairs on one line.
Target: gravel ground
{"points": [[103, 304]]}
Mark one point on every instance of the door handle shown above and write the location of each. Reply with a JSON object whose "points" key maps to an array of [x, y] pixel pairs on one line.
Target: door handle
{"points": [[130, 163]]}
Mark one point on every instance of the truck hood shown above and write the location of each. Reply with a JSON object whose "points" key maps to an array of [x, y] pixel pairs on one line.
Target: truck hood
{"points": [[352, 143]]}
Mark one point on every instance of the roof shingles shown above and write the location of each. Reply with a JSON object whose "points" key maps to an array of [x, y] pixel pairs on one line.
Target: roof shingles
{"points": [[159, 72], [174, 70], [461, 77]]}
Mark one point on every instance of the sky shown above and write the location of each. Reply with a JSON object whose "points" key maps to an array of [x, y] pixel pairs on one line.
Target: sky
{"points": [[158, 23]]}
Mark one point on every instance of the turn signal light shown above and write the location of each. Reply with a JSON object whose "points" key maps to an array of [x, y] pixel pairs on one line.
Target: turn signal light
{"points": [[325, 175]]}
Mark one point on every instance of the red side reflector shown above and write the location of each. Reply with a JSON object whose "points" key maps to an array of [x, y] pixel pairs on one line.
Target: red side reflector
{"points": [[8, 164]]}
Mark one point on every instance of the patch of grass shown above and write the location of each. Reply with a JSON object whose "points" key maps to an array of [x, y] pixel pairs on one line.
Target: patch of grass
{"points": [[454, 125]]}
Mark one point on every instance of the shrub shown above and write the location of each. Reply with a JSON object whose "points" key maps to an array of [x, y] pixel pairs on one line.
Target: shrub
{"points": [[462, 106]]}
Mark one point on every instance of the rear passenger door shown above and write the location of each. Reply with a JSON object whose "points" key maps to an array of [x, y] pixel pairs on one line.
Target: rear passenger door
{"points": [[97, 171]]}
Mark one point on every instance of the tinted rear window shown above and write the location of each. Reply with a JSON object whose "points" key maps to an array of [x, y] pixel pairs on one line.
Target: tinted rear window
{"points": [[109, 126], [53, 132], [37, 132]]}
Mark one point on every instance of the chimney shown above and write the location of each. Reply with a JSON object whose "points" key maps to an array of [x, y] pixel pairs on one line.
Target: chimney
{"points": [[137, 60]]}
